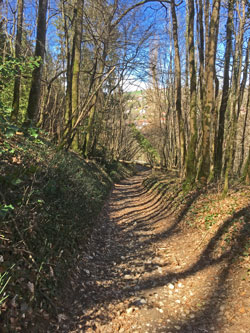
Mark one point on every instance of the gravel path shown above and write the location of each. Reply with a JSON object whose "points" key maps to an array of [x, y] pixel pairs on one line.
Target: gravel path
{"points": [[143, 272]]}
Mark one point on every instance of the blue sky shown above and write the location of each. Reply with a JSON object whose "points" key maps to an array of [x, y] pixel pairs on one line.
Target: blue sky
{"points": [[149, 14]]}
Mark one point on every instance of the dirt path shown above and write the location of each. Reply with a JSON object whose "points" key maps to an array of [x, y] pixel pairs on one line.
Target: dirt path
{"points": [[143, 272]]}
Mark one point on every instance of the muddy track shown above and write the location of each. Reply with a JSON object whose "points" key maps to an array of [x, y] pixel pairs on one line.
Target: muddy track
{"points": [[142, 272]]}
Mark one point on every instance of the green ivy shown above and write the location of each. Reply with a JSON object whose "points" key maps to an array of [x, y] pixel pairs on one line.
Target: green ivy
{"points": [[10, 66], [5, 210]]}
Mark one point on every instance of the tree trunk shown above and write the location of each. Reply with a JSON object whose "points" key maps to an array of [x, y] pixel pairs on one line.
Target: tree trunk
{"points": [[191, 153], [18, 52], [178, 93], [200, 31], [209, 104], [34, 95], [235, 95], [244, 131], [89, 130], [244, 79], [76, 62], [214, 115], [246, 172], [88, 141], [225, 92], [68, 97]]}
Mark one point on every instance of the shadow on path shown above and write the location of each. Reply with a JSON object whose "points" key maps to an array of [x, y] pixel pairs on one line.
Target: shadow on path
{"points": [[122, 252]]}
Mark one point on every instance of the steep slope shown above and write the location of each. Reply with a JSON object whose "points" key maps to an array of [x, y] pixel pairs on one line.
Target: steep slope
{"points": [[49, 199]]}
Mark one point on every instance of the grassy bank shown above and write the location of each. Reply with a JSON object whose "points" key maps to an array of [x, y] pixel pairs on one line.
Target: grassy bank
{"points": [[48, 202]]}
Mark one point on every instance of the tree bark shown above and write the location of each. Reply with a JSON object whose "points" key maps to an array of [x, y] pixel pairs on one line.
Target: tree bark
{"points": [[234, 98], [178, 93], [76, 63], [244, 79], [244, 131], [68, 95], [191, 153], [246, 173], [34, 95], [225, 92], [18, 52], [209, 104], [200, 31]]}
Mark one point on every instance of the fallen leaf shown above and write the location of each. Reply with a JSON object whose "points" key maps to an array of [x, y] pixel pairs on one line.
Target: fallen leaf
{"points": [[242, 310]]}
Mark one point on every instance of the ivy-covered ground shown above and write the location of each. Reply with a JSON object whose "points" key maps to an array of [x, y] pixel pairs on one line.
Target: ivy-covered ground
{"points": [[48, 200]]}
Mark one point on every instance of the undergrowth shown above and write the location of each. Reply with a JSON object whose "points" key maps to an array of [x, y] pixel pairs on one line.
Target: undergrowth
{"points": [[48, 201]]}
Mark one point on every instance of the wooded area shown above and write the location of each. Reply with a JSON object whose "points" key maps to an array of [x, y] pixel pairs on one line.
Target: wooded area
{"points": [[124, 166], [66, 67]]}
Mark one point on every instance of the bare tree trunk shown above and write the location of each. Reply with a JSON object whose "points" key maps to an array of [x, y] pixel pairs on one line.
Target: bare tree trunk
{"points": [[88, 142], [225, 92], [235, 95], [246, 172], [68, 97], [191, 153], [206, 15], [89, 129], [200, 31], [204, 170], [178, 93], [76, 62], [34, 95], [244, 131], [17, 83], [244, 79], [214, 115]]}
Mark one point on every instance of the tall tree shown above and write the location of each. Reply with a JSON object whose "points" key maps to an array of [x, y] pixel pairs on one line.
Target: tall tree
{"points": [[34, 95], [76, 63], [235, 92], [209, 103], [243, 137], [200, 31], [191, 153], [17, 83], [178, 92], [225, 91]]}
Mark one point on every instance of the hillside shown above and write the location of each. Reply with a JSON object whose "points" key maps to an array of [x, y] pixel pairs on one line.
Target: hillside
{"points": [[49, 199]]}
